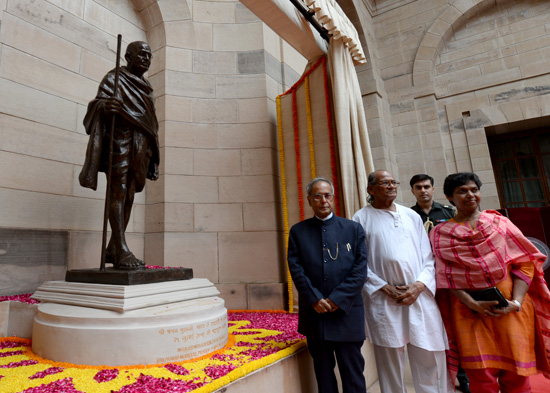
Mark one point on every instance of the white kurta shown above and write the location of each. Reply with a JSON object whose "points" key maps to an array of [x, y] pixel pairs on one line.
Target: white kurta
{"points": [[400, 253]]}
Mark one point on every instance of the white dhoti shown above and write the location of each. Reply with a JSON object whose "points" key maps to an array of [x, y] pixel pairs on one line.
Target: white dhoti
{"points": [[428, 368]]}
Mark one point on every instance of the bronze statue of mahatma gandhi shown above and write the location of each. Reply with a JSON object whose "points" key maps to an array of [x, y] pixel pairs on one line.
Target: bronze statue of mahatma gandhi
{"points": [[135, 146]]}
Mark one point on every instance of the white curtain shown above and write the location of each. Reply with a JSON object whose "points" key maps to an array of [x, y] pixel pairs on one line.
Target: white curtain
{"points": [[351, 129], [345, 51]]}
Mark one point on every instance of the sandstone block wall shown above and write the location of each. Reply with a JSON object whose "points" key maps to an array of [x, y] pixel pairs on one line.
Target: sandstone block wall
{"points": [[216, 71], [441, 75], [451, 73]]}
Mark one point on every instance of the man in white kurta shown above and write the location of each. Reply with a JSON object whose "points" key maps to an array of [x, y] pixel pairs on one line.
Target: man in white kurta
{"points": [[400, 309]]}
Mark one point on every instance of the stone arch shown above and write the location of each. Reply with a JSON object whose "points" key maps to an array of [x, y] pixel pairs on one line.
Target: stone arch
{"points": [[471, 123], [154, 15], [469, 109], [373, 89], [440, 30]]}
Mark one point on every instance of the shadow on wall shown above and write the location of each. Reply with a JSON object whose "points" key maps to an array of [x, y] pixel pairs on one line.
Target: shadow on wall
{"points": [[29, 257]]}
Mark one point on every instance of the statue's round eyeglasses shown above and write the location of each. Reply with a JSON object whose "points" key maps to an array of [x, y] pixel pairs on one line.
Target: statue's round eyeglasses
{"points": [[319, 197]]}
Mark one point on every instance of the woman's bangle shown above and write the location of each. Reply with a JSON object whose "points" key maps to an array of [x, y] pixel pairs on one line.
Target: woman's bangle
{"points": [[517, 303]]}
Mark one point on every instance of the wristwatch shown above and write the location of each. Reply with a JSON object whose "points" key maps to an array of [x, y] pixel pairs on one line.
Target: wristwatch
{"points": [[517, 303]]}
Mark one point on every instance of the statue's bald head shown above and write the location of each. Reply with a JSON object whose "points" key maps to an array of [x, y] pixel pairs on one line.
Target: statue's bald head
{"points": [[134, 47], [138, 57]]}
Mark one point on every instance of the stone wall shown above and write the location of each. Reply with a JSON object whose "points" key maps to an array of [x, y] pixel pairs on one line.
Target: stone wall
{"points": [[440, 74], [216, 71], [450, 72], [52, 59]]}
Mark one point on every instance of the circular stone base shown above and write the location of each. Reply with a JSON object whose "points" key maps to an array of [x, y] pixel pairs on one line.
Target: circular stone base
{"points": [[159, 334]]}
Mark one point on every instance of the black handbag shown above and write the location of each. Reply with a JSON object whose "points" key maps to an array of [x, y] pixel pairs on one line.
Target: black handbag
{"points": [[489, 294]]}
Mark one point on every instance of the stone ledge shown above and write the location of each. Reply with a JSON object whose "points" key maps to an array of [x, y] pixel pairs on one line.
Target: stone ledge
{"points": [[123, 298], [16, 319]]}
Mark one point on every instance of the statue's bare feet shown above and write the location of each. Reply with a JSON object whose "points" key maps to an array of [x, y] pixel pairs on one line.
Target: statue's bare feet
{"points": [[128, 261], [110, 254]]}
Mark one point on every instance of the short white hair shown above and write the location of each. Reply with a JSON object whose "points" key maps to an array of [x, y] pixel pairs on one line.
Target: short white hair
{"points": [[318, 179]]}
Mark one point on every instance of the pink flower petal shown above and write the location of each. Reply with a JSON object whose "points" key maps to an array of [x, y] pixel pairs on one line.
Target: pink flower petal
{"points": [[216, 372], [10, 353], [11, 344], [62, 386], [23, 298], [20, 364], [179, 370], [149, 384], [49, 371], [106, 375], [246, 333], [225, 358]]}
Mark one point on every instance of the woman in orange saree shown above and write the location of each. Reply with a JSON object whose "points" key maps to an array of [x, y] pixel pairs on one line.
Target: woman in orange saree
{"points": [[498, 347]]}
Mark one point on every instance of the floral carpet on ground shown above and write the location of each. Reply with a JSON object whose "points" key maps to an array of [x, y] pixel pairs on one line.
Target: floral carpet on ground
{"points": [[257, 339]]}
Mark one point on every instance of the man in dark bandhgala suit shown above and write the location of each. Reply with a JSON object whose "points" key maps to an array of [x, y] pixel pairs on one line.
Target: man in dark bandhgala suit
{"points": [[327, 258]]}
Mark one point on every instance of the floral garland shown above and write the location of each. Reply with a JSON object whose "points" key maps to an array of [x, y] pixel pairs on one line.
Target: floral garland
{"points": [[297, 151], [284, 200], [332, 151], [257, 339], [310, 128]]}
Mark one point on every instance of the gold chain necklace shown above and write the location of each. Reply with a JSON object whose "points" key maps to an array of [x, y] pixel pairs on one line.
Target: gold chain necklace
{"points": [[330, 255]]}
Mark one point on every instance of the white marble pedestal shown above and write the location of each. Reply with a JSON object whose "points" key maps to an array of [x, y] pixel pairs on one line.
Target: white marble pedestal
{"points": [[176, 321]]}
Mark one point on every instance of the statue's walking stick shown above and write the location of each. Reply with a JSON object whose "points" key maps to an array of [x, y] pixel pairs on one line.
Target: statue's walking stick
{"points": [[109, 167]]}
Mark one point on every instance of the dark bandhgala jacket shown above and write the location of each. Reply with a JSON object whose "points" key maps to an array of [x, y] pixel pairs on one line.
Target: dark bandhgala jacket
{"points": [[328, 259]]}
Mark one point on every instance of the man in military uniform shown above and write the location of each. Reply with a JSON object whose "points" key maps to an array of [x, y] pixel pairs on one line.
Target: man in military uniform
{"points": [[431, 212]]}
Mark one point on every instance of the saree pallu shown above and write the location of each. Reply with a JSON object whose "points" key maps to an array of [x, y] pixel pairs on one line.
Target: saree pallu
{"points": [[492, 254]]}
